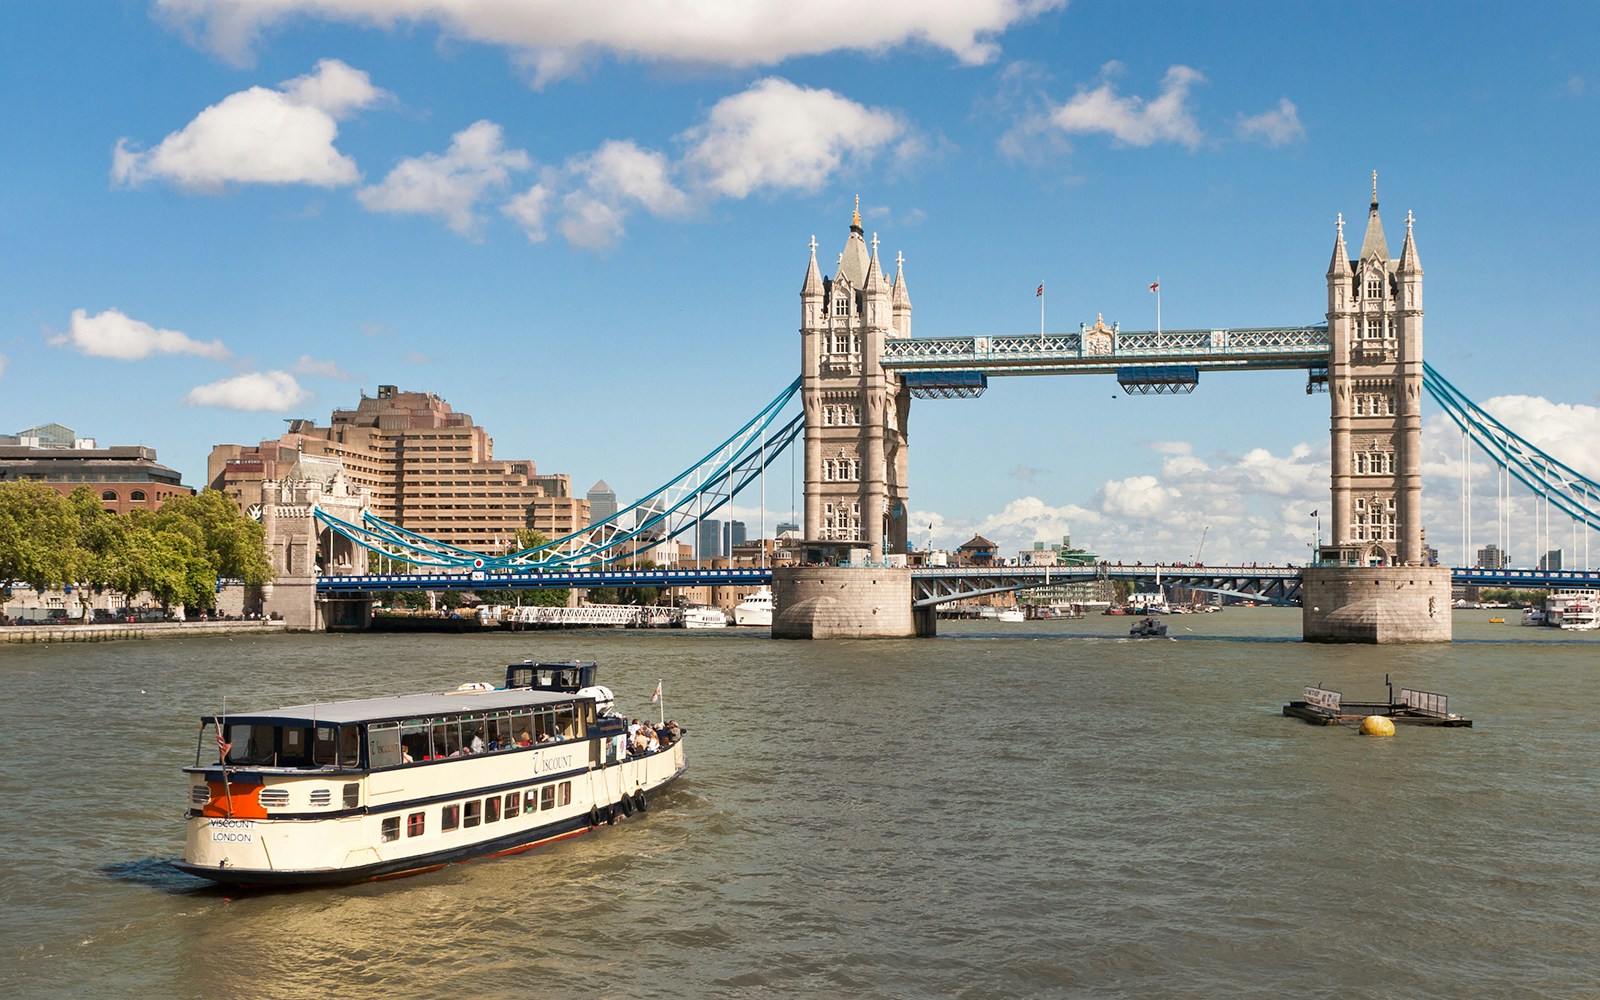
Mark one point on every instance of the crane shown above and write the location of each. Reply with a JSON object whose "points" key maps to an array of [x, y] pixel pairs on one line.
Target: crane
{"points": [[1202, 546]]}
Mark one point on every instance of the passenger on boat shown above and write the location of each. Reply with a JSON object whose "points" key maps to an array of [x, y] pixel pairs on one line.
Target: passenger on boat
{"points": [[477, 742], [405, 755], [524, 739]]}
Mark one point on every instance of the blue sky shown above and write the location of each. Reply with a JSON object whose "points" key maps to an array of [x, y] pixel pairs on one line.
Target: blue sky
{"points": [[589, 231]]}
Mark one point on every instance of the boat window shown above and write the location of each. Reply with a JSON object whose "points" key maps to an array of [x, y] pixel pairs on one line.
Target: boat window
{"points": [[294, 750], [252, 744], [349, 746], [530, 800], [324, 746], [446, 737], [391, 829], [513, 801], [500, 737], [547, 797], [352, 794], [564, 793], [383, 744], [416, 824], [449, 818], [474, 813], [491, 809], [415, 737]]}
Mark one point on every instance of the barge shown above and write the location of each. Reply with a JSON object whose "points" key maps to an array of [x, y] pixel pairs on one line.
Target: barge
{"points": [[1322, 707]]}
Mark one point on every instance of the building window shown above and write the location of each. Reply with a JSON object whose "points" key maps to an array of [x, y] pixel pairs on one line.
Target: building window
{"points": [[841, 306], [137, 496], [108, 495]]}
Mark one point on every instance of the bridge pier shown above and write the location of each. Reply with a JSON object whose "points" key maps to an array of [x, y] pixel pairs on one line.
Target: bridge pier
{"points": [[846, 602], [1375, 604]]}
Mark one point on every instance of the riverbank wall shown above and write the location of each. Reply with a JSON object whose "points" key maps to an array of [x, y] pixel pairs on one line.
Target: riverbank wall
{"points": [[135, 630]]}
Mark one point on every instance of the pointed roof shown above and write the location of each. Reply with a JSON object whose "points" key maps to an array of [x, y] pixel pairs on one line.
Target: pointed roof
{"points": [[902, 298], [601, 487], [853, 262], [1408, 254], [874, 281], [1340, 264], [813, 285], [1373, 242]]}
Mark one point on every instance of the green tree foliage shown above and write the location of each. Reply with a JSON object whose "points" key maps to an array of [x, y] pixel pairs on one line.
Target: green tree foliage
{"points": [[177, 553]]}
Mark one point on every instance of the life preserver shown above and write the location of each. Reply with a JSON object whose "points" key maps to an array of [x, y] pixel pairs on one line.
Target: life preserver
{"points": [[638, 801], [626, 805], [594, 815]]}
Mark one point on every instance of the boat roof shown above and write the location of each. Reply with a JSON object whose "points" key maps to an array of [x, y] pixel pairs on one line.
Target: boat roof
{"points": [[407, 706]]}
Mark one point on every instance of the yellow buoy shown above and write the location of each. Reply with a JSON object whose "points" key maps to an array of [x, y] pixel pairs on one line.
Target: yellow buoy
{"points": [[1377, 725]]}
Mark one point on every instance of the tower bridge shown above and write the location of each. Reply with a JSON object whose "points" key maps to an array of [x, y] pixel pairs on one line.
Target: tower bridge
{"points": [[860, 369]]}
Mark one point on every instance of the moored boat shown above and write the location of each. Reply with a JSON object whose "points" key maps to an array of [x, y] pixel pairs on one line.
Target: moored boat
{"points": [[755, 610], [380, 787], [702, 617], [1012, 615]]}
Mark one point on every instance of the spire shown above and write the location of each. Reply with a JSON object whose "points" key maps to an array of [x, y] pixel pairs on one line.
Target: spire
{"points": [[1409, 261], [901, 296], [874, 280], [853, 262], [855, 217], [1373, 242], [813, 285], [1340, 264]]}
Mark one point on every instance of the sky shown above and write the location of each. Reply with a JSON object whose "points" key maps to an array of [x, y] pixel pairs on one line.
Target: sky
{"points": [[587, 226]]}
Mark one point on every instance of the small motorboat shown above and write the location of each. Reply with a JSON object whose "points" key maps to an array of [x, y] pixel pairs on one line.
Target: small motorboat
{"points": [[1146, 628]]}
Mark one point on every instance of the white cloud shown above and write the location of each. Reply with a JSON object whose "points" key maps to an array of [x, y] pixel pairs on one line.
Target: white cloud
{"points": [[611, 181], [1028, 520], [555, 37], [319, 368], [259, 136], [779, 136], [590, 222], [1133, 120], [529, 211], [449, 185], [112, 335], [1136, 497], [1278, 127], [273, 392]]}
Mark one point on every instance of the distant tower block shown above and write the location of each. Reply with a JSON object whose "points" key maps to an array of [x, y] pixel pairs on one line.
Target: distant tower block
{"points": [[856, 412], [1372, 584]]}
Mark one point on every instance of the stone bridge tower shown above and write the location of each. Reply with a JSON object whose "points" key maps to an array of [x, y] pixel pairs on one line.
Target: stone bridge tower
{"points": [[300, 549], [855, 438], [1372, 583]]}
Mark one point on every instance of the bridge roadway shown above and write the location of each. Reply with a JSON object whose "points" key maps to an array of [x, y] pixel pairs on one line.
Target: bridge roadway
{"points": [[938, 585]]}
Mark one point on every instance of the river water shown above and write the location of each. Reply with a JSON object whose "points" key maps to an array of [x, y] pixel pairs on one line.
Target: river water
{"points": [[1009, 810]]}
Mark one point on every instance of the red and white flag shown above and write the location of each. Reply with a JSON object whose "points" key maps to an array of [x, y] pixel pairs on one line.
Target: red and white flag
{"points": [[656, 698], [1040, 291], [1155, 286], [223, 746]]}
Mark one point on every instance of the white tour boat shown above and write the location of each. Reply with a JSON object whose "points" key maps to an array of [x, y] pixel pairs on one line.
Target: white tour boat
{"points": [[1571, 608], [755, 609], [381, 787], [702, 617], [1012, 615]]}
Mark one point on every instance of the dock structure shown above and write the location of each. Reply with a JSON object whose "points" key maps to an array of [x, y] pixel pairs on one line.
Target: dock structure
{"points": [[1322, 707]]}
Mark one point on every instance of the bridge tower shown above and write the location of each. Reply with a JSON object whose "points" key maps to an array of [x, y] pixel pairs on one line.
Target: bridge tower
{"points": [[1381, 589], [855, 456], [856, 412]]}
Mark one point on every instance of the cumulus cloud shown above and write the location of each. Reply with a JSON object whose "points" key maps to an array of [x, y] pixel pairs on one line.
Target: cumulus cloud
{"points": [[1278, 127], [1135, 121], [259, 136], [449, 185], [272, 392], [555, 38], [779, 136], [530, 211], [1136, 497], [319, 368], [613, 180], [113, 335]]}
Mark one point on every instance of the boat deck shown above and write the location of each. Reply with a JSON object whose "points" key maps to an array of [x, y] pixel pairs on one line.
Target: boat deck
{"points": [[1353, 712]]}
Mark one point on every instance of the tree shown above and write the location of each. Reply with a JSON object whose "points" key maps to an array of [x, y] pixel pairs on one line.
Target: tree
{"points": [[38, 536]]}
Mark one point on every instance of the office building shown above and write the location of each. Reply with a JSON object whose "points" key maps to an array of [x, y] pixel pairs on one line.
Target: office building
{"points": [[127, 478]]}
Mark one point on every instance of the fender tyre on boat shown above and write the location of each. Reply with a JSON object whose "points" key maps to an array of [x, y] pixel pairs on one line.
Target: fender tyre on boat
{"points": [[639, 803], [594, 816], [626, 805]]}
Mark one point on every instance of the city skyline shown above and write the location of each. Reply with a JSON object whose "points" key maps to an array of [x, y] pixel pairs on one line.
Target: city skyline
{"points": [[590, 233]]}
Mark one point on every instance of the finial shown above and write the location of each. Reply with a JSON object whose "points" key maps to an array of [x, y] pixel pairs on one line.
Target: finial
{"points": [[855, 218], [1409, 220], [899, 260], [1374, 187], [1339, 224], [874, 243], [813, 244]]}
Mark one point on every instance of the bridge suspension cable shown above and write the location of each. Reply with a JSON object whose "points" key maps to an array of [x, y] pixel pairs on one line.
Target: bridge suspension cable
{"points": [[1550, 479], [662, 515]]}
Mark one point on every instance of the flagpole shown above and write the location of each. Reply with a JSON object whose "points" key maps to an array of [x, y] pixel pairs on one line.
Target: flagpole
{"points": [[661, 702], [1158, 305], [1041, 312]]}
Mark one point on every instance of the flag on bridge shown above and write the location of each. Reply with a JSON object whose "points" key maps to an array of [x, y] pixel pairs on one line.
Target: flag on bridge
{"points": [[1155, 286], [1314, 514], [1040, 291]]}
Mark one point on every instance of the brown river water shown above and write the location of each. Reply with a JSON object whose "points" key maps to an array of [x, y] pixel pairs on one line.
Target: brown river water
{"points": [[1008, 810]]}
